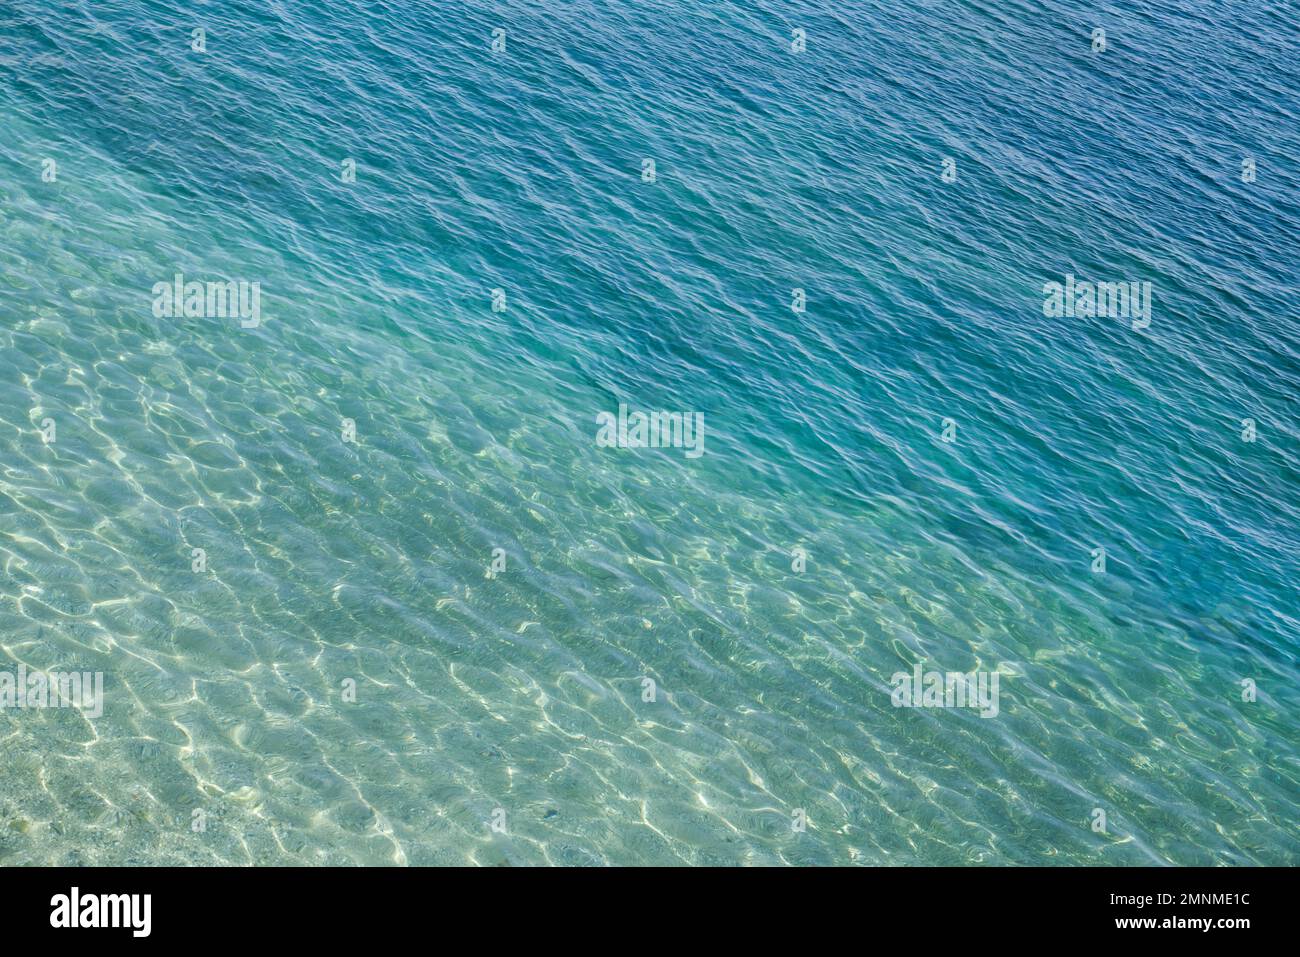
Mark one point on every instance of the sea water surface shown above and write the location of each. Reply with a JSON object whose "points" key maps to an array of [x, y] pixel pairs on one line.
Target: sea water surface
{"points": [[347, 681]]}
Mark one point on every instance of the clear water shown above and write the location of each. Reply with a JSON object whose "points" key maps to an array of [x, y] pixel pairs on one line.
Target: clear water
{"points": [[331, 561]]}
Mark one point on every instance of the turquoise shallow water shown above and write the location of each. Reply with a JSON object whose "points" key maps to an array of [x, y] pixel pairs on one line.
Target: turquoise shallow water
{"points": [[333, 561]]}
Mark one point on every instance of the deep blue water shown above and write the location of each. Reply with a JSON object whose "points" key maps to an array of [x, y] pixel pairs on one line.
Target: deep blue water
{"points": [[334, 559]]}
